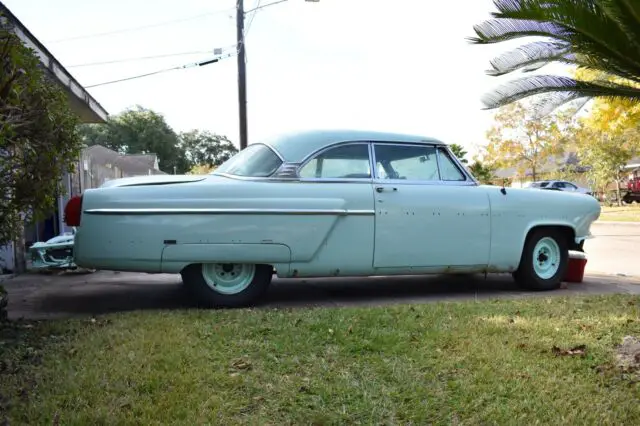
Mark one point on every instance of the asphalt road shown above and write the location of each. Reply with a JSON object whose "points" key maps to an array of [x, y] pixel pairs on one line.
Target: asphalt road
{"points": [[615, 249]]}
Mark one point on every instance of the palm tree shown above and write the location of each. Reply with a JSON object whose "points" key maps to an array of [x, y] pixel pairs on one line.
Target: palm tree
{"points": [[459, 152], [601, 36]]}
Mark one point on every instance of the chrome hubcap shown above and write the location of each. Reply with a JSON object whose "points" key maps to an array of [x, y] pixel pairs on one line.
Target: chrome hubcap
{"points": [[546, 258], [228, 278]]}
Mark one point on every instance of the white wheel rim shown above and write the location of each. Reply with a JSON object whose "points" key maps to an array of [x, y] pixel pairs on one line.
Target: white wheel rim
{"points": [[546, 258], [228, 278]]}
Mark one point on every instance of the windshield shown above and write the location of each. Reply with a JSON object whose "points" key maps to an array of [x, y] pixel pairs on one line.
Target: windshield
{"points": [[254, 161]]}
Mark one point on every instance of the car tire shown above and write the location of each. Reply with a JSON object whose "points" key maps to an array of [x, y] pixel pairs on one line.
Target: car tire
{"points": [[209, 292], [549, 248]]}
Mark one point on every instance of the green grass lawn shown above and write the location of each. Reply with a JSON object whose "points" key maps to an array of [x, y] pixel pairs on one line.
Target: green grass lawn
{"points": [[624, 213], [446, 363]]}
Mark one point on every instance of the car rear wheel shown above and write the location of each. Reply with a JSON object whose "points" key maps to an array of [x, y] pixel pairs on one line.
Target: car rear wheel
{"points": [[544, 260], [227, 285]]}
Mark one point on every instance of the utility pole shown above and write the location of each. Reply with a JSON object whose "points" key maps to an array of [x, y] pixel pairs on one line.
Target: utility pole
{"points": [[242, 74], [242, 65]]}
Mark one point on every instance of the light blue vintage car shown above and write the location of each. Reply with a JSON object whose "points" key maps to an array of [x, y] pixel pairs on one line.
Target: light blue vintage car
{"points": [[325, 204]]}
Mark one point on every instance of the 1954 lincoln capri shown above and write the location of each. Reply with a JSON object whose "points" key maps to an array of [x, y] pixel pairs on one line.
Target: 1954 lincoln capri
{"points": [[327, 203]]}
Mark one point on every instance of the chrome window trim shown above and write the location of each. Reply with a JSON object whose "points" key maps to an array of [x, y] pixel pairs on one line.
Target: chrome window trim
{"points": [[379, 180], [169, 211], [423, 182], [297, 179], [257, 178], [326, 148], [469, 180], [461, 166], [372, 162], [346, 141], [455, 164], [272, 149], [297, 166], [438, 164]]}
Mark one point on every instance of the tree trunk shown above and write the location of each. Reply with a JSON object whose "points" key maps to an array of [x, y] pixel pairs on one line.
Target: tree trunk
{"points": [[618, 192], [19, 250]]}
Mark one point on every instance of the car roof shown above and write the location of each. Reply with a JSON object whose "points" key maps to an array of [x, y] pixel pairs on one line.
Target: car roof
{"points": [[296, 146]]}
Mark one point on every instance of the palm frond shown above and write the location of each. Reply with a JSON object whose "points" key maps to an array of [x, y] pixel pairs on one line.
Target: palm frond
{"points": [[626, 13], [549, 102], [542, 84], [529, 57], [499, 30], [600, 35], [586, 21]]}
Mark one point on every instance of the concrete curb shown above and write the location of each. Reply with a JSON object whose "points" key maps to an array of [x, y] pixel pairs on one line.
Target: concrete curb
{"points": [[606, 222]]}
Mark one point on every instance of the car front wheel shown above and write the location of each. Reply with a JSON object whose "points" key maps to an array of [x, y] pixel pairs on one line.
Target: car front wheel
{"points": [[544, 260], [227, 285]]}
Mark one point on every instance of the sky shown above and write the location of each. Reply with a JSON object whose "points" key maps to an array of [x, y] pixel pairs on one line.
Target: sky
{"points": [[399, 66]]}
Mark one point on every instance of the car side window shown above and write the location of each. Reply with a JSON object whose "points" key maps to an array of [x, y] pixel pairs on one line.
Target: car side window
{"points": [[407, 162], [448, 169], [558, 185], [342, 162]]}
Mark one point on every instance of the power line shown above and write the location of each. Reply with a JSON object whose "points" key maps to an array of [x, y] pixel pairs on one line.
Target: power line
{"points": [[143, 27], [255, 11], [196, 64], [263, 6], [140, 58], [246, 30]]}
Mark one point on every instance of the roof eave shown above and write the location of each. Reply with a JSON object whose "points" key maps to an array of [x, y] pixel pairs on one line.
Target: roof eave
{"points": [[87, 108]]}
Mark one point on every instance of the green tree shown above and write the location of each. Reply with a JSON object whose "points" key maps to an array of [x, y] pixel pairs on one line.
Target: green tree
{"points": [[484, 172], [607, 154], [598, 35], [459, 152], [522, 140], [140, 131], [203, 148], [38, 139], [201, 170]]}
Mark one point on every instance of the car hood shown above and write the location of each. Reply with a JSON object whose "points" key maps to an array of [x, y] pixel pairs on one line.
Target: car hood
{"points": [[153, 180]]}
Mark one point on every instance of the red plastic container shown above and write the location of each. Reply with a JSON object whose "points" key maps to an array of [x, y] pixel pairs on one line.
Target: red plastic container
{"points": [[577, 264]]}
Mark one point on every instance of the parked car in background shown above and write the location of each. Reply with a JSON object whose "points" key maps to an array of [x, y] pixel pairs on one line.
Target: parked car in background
{"points": [[560, 185], [327, 204]]}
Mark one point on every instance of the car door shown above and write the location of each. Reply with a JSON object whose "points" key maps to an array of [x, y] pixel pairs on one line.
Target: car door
{"points": [[339, 177], [429, 213]]}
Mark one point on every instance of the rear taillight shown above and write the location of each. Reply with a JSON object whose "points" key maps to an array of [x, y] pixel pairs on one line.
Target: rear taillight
{"points": [[73, 211]]}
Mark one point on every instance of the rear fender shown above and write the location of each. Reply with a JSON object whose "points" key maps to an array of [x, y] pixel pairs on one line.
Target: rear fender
{"points": [[177, 257]]}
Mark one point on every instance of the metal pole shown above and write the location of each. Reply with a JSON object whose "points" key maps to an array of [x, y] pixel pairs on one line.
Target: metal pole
{"points": [[242, 74]]}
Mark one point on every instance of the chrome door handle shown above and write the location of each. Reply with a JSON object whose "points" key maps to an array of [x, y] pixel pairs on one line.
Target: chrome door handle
{"points": [[382, 188]]}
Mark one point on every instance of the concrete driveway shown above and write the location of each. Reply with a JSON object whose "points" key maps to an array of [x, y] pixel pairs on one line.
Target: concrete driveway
{"points": [[613, 251], [39, 297]]}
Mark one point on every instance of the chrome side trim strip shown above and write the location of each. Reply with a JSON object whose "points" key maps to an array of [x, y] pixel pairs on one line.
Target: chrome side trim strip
{"points": [[165, 211]]}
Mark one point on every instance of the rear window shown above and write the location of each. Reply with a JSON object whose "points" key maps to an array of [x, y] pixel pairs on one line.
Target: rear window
{"points": [[254, 161]]}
